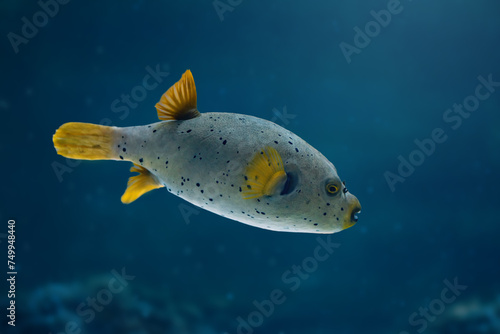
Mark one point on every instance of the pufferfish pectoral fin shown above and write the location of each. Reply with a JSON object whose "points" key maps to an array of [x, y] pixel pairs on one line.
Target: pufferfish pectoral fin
{"points": [[265, 174], [179, 101], [140, 184]]}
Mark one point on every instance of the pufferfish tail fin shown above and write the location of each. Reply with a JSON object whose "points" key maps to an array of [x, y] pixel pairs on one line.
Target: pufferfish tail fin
{"points": [[179, 101], [85, 141]]}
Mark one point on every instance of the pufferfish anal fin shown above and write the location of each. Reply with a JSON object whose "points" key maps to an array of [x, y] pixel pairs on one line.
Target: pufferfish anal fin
{"points": [[179, 101], [140, 184], [264, 175]]}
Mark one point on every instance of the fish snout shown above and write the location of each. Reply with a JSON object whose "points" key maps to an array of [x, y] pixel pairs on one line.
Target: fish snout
{"points": [[353, 211]]}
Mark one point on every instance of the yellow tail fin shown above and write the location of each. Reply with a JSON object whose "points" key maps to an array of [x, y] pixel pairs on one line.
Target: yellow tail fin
{"points": [[84, 141]]}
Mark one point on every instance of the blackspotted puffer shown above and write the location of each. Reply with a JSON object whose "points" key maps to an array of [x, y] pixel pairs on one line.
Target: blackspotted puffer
{"points": [[240, 167]]}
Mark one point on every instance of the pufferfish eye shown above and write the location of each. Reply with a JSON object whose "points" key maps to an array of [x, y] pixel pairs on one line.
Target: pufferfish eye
{"points": [[332, 188]]}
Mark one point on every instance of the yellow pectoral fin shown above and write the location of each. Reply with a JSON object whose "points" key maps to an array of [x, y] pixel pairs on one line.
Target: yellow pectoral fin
{"points": [[179, 102], [140, 184], [265, 174]]}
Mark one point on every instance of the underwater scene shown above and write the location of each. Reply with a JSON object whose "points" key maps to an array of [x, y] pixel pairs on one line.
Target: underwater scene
{"points": [[281, 167]]}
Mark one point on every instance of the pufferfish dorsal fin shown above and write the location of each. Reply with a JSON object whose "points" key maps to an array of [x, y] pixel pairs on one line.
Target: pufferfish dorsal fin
{"points": [[179, 101], [140, 184], [264, 175]]}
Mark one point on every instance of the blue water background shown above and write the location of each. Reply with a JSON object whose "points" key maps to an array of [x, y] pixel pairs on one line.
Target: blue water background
{"points": [[206, 274]]}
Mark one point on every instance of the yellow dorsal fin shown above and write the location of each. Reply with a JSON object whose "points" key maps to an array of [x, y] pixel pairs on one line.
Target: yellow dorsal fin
{"points": [[179, 101], [140, 184], [265, 175]]}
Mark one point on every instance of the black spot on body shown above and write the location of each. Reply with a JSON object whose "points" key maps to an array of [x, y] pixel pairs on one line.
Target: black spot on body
{"points": [[124, 149], [224, 142], [141, 160], [121, 157]]}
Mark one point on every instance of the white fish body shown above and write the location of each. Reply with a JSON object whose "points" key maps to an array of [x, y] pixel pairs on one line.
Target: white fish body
{"points": [[218, 161]]}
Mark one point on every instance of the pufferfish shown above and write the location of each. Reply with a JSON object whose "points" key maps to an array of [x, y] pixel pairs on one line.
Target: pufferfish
{"points": [[240, 167]]}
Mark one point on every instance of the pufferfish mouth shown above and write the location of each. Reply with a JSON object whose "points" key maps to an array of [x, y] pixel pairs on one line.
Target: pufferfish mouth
{"points": [[354, 214], [355, 209]]}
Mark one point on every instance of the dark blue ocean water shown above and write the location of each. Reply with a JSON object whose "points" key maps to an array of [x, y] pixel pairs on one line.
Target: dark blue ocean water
{"points": [[403, 97]]}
